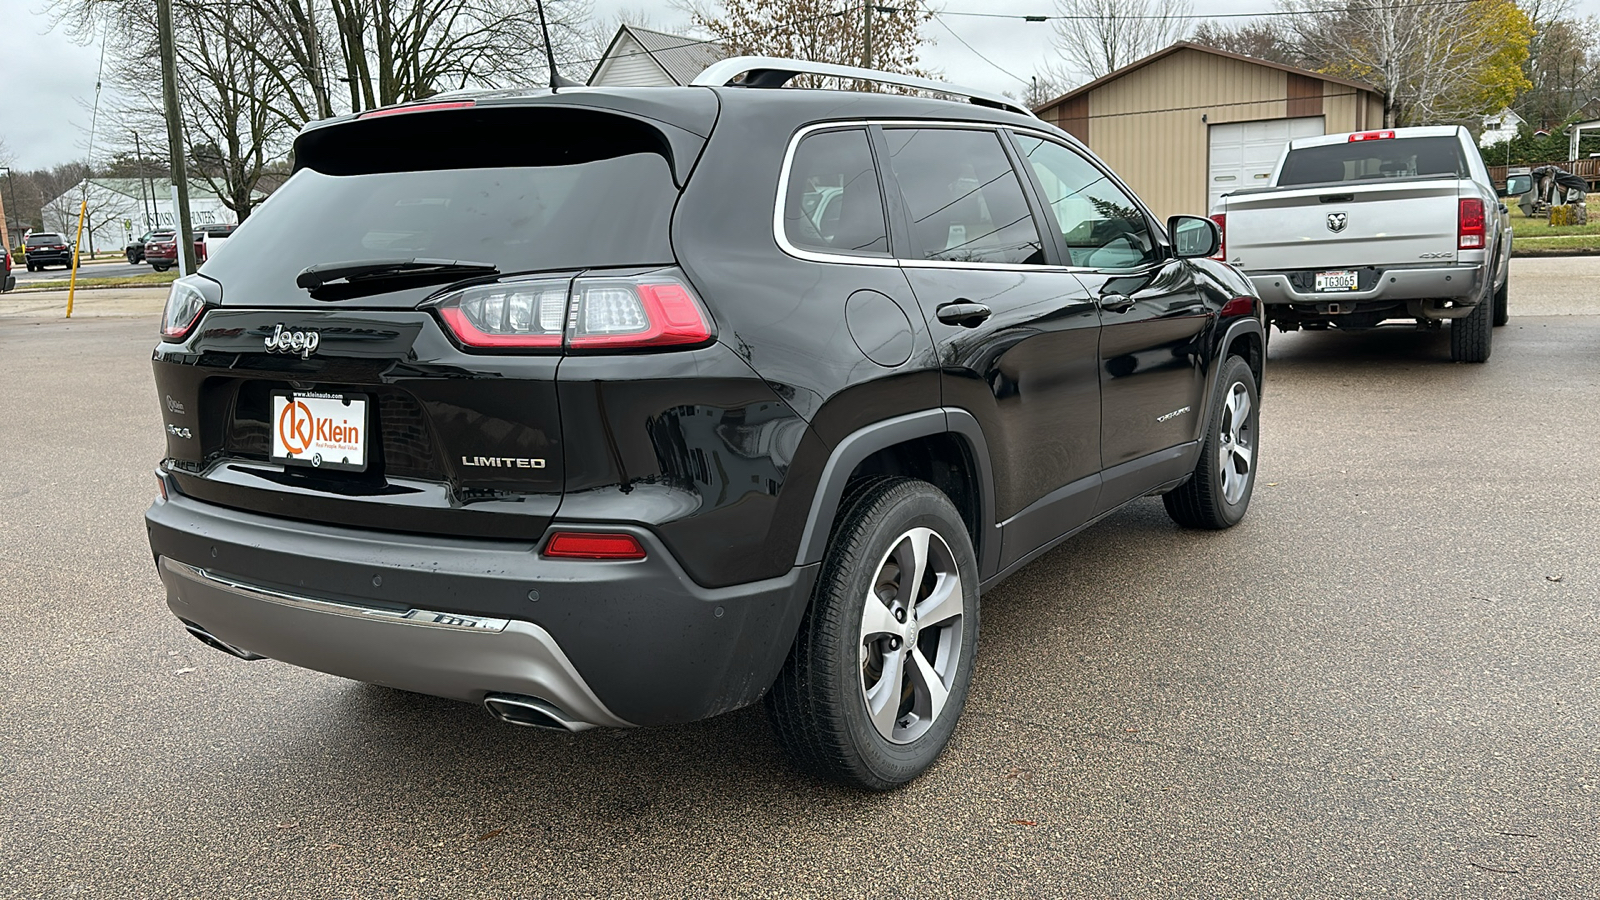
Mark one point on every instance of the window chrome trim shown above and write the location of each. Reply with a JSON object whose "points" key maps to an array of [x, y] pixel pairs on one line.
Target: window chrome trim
{"points": [[780, 234], [723, 72]]}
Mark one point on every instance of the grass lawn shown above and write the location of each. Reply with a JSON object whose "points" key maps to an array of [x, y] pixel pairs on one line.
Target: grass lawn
{"points": [[149, 279], [1536, 235]]}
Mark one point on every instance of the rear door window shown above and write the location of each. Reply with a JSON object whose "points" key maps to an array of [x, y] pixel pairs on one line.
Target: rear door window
{"points": [[1102, 226], [832, 202], [964, 202]]}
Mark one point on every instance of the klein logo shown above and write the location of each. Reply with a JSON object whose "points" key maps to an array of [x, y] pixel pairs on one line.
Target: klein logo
{"points": [[1337, 222], [174, 405], [301, 342], [502, 462], [298, 428]]}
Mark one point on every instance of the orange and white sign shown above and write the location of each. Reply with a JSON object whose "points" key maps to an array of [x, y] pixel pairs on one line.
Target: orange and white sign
{"points": [[327, 431]]}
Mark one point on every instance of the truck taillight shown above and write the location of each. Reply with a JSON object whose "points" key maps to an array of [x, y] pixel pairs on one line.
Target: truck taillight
{"points": [[590, 313], [1470, 225], [1370, 136], [1222, 232]]}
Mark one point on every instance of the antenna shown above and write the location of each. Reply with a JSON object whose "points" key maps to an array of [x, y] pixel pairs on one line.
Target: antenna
{"points": [[556, 81]]}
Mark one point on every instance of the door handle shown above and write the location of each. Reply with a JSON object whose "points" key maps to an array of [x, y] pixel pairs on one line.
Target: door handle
{"points": [[1117, 303], [964, 313]]}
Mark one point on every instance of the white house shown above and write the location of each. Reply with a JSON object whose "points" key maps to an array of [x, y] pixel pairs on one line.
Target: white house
{"points": [[121, 209], [641, 57], [1499, 128]]}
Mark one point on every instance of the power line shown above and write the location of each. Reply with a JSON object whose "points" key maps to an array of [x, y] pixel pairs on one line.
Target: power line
{"points": [[940, 19], [1022, 17]]}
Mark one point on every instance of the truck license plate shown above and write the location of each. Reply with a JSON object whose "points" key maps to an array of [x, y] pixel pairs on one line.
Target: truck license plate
{"points": [[328, 431], [1337, 281]]}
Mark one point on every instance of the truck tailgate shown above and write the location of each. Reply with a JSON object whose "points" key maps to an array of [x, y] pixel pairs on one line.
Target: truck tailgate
{"points": [[1338, 225]]}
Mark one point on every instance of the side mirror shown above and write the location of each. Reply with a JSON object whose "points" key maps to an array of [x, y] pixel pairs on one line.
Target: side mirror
{"points": [[1194, 237]]}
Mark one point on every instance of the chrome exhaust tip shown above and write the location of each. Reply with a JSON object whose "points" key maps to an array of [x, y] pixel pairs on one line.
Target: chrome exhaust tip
{"points": [[531, 712], [211, 640]]}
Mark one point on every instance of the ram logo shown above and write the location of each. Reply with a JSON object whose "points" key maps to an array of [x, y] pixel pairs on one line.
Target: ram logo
{"points": [[1337, 222]]}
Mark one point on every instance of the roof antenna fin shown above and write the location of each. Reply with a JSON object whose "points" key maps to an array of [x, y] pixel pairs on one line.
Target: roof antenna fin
{"points": [[556, 80]]}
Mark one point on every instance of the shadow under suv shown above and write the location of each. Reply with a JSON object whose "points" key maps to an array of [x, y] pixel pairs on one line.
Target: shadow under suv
{"points": [[625, 407]]}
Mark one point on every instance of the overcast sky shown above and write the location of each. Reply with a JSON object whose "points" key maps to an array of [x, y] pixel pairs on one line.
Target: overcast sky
{"points": [[48, 81]]}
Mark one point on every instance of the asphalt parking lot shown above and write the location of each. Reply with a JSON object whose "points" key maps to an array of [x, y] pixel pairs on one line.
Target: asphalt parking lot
{"points": [[115, 269], [1382, 683]]}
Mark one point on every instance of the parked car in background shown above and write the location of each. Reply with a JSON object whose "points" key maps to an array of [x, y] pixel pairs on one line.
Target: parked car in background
{"points": [[135, 249], [591, 409], [1357, 229], [161, 251], [47, 248], [209, 238]]}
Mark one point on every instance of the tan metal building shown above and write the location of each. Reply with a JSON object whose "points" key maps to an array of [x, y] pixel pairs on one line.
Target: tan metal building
{"points": [[1186, 125]]}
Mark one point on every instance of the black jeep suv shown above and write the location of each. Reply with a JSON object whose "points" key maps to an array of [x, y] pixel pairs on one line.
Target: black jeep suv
{"points": [[628, 407]]}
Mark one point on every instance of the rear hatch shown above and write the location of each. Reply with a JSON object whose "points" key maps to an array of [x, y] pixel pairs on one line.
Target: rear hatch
{"points": [[1372, 203], [377, 345]]}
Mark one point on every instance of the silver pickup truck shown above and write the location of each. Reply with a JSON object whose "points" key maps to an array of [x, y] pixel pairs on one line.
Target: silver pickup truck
{"points": [[1358, 229]]}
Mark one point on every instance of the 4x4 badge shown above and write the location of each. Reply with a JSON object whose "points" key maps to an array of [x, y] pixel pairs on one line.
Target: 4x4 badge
{"points": [[1337, 221], [301, 342]]}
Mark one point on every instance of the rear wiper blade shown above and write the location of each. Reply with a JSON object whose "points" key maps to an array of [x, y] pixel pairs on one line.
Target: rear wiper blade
{"points": [[356, 272]]}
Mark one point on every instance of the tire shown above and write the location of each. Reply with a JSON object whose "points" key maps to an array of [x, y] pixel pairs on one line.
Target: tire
{"points": [[1217, 495], [133, 258], [1502, 298], [1472, 337], [159, 268], [840, 706]]}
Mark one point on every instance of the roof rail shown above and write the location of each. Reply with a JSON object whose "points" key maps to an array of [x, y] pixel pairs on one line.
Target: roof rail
{"points": [[772, 72]]}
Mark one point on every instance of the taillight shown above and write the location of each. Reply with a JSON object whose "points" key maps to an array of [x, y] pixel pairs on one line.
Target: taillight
{"points": [[1239, 306], [1470, 225], [589, 313], [589, 545], [1370, 136], [1222, 232], [185, 304]]}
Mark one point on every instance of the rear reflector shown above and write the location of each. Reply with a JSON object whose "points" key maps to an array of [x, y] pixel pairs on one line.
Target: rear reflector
{"points": [[1371, 136], [1222, 233], [418, 107], [586, 545], [1239, 306], [1470, 225]]}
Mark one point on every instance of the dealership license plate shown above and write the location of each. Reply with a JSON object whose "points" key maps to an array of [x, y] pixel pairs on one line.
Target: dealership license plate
{"points": [[1337, 281], [327, 431]]}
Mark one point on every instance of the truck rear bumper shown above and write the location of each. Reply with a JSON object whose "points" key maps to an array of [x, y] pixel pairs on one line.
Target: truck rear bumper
{"points": [[1463, 284]]}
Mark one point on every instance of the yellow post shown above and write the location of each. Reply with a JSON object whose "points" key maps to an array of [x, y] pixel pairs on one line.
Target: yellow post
{"points": [[72, 285]]}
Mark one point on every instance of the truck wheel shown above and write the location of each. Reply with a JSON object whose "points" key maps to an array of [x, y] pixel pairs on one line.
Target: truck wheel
{"points": [[1502, 298], [1471, 337], [879, 672], [1218, 494]]}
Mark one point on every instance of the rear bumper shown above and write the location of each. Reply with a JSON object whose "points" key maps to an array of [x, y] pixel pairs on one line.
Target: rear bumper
{"points": [[51, 258], [609, 643], [1459, 283]]}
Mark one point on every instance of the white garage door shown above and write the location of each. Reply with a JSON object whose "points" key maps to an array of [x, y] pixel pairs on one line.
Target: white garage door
{"points": [[1243, 153]]}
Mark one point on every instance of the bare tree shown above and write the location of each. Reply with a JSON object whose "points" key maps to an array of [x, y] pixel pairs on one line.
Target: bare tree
{"points": [[1434, 62], [1257, 38], [1096, 37], [837, 31]]}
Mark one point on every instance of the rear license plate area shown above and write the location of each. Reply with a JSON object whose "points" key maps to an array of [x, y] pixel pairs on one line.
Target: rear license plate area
{"points": [[1340, 280], [320, 430]]}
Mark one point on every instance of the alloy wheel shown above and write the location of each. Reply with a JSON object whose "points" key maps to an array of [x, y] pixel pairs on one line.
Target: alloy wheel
{"points": [[1236, 443], [911, 630]]}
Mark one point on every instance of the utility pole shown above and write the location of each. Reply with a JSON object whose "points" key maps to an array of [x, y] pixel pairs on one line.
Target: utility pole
{"points": [[866, 53], [175, 144], [144, 200], [319, 81]]}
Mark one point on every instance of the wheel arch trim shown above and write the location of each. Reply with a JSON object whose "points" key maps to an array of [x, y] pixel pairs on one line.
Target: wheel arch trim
{"points": [[862, 443]]}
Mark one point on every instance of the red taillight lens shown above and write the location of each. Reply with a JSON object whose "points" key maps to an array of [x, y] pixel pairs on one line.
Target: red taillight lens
{"points": [[185, 305], [653, 311], [1222, 230], [1370, 136], [620, 314], [1470, 225], [161, 485], [1239, 306], [418, 107], [587, 545]]}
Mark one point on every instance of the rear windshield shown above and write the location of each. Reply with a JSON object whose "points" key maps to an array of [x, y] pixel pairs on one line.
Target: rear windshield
{"points": [[35, 240], [606, 212], [1374, 160]]}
